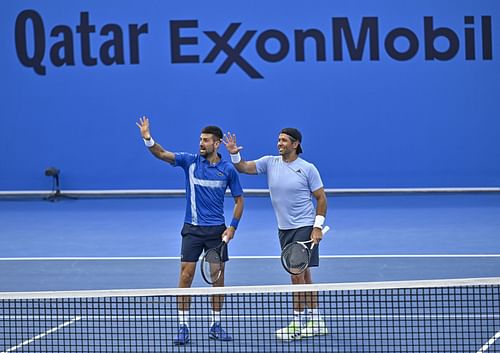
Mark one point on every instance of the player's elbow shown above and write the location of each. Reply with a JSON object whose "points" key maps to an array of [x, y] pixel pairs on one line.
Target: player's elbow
{"points": [[248, 168], [239, 200], [241, 168]]}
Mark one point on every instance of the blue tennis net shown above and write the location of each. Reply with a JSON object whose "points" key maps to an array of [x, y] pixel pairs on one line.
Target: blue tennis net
{"points": [[405, 316]]}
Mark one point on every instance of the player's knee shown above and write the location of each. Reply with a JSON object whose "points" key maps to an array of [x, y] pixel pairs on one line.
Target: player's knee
{"points": [[187, 274], [298, 279]]}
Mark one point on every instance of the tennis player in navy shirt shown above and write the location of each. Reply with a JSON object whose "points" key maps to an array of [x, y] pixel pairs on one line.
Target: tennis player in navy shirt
{"points": [[207, 178]]}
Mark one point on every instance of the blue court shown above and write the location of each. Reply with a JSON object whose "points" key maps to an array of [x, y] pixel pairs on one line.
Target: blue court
{"points": [[135, 242], [130, 243]]}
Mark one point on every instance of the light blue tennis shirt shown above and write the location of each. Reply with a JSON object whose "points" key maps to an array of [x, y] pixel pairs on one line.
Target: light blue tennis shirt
{"points": [[206, 185], [291, 186]]}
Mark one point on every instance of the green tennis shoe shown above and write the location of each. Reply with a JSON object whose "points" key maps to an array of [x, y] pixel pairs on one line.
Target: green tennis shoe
{"points": [[291, 332], [314, 328]]}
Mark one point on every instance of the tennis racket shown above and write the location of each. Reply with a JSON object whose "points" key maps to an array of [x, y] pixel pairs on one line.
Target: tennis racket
{"points": [[295, 256], [212, 263]]}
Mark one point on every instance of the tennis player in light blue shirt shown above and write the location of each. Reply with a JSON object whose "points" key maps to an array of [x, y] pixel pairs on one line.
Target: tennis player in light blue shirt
{"points": [[293, 183]]}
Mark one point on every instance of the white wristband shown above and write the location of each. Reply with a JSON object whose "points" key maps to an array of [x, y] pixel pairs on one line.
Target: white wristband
{"points": [[319, 221], [149, 143], [236, 158]]}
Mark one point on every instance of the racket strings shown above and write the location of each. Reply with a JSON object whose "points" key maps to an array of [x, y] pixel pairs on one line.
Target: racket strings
{"points": [[213, 256], [212, 266], [295, 257]]}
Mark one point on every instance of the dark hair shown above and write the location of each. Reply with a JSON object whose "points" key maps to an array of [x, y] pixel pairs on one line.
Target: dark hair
{"points": [[214, 130]]}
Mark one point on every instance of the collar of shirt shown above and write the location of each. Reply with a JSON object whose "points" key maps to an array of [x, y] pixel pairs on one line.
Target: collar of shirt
{"points": [[204, 160]]}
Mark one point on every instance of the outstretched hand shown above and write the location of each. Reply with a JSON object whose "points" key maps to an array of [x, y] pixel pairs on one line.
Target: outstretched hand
{"points": [[230, 141], [143, 125]]}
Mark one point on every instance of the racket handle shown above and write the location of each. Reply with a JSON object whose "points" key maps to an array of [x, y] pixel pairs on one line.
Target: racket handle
{"points": [[324, 231], [225, 239]]}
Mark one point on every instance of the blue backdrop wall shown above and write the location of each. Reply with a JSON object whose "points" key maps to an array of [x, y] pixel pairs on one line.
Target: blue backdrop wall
{"points": [[387, 93]]}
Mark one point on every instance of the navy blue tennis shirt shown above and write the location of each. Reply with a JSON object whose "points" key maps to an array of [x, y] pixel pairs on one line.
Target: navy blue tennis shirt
{"points": [[206, 185]]}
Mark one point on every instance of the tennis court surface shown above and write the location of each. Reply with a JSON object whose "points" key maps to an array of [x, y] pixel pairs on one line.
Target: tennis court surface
{"points": [[389, 278], [412, 316]]}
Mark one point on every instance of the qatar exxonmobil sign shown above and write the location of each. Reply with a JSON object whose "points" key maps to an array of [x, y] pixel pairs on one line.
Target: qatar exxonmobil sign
{"points": [[39, 46]]}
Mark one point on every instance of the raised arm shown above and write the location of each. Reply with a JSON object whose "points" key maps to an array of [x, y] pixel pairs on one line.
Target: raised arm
{"points": [[247, 167], [155, 148]]}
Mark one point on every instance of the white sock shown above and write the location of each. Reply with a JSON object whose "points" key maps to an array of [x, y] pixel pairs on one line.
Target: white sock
{"points": [[215, 317], [315, 314], [183, 317], [298, 317]]}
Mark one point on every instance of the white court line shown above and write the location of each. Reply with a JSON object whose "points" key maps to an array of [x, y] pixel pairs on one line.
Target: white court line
{"points": [[483, 349], [46, 333], [182, 192], [112, 258], [246, 317], [490, 342]]}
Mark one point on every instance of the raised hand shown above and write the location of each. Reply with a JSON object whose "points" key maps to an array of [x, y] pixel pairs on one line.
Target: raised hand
{"points": [[143, 125], [230, 141]]}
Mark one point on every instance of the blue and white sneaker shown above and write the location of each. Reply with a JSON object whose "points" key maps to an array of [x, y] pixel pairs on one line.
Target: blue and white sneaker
{"points": [[182, 335], [216, 332]]}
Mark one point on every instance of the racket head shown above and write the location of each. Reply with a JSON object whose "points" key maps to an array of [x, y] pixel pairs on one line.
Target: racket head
{"points": [[295, 258], [212, 264]]}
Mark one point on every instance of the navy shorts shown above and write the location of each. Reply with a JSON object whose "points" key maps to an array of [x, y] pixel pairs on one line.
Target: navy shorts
{"points": [[196, 239], [300, 234]]}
